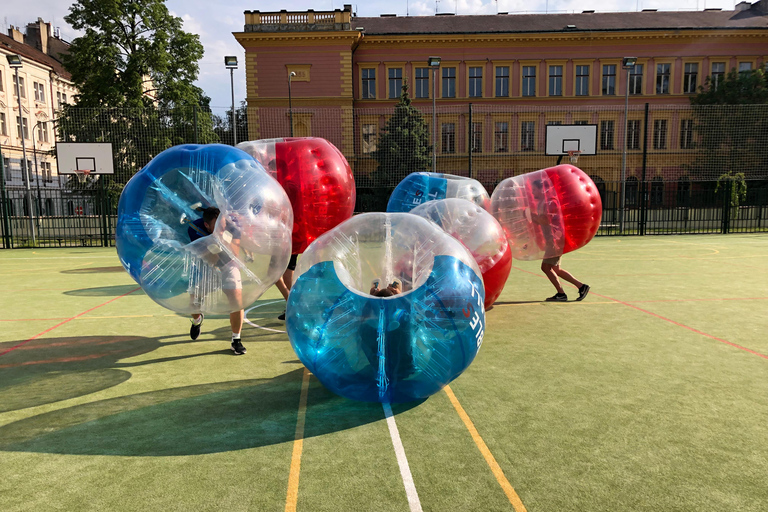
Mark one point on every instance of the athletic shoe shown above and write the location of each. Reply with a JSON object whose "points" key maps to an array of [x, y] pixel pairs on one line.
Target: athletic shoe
{"points": [[194, 331], [237, 347], [558, 297], [583, 291], [281, 316]]}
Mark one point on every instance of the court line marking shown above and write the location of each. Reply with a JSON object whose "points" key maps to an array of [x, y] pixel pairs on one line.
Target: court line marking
{"points": [[245, 317], [292, 496], [402, 461], [65, 321], [512, 495]]}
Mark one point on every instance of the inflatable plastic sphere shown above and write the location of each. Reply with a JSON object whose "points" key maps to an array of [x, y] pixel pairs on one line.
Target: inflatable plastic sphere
{"points": [[317, 179], [547, 213], [221, 272], [420, 187], [395, 348], [480, 233]]}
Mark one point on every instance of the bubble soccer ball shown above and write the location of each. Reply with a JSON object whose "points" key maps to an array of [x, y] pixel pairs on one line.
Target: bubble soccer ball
{"points": [[219, 273], [386, 349], [317, 179], [420, 187], [547, 213], [479, 232]]}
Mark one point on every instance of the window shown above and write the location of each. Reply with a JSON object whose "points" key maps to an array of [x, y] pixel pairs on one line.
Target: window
{"points": [[555, 80], [501, 138], [684, 191], [21, 124], [1, 81], [39, 91], [636, 79], [660, 134], [477, 137], [606, 134], [529, 80], [448, 132], [20, 84], [42, 132], [475, 82], [609, 79], [633, 134], [579, 123], [422, 82], [64, 97], [662, 78], [657, 191], [502, 81], [29, 170], [630, 191], [690, 78], [369, 138], [48, 206], [369, 84], [3, 127], [718, 73], [744, 67], [527, 136], [47, 172], [582, 80], [686, 134], [449, 82], [395, 82]]}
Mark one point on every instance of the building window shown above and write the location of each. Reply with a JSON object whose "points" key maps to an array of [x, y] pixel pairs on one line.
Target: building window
{"points": [[502, 81], [662, 78], [47, 172], [657, 191], [582, 80], [745, 67], [477, 137], [555, 80], [20, 85], [369, 138], [606, 134], [39, 91], [42, 132], [395, 82], [527, 136], [686, 134], [633, 134], [449, 82], [684, 191], [609, 79], [422, 82], [718, 73], [475, 82], [1, 81], [501, 138], [529, 80], [660, 134], [21, 124], [636, 79], [448, 132], [690, 78], [369, 84], [3, 127], [631, 191]]}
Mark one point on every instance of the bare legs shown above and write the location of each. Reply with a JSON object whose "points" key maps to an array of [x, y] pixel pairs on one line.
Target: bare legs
{"points": [[554, 271]]}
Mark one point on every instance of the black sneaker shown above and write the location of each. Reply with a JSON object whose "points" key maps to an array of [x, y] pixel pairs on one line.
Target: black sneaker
{"points": [[583, 291], [237, 347], [194, 331], [558, 297], [281, 316]]}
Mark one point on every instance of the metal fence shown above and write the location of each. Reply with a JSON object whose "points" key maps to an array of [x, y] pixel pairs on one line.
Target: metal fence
{"points": [[677, 173]]}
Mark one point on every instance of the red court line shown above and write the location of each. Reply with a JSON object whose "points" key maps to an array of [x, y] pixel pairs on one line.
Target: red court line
{"points": [[665, 319], [65, 321]]}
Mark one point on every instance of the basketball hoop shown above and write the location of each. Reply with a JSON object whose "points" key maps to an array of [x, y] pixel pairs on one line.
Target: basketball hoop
{"points": [[573, 156], [82, 175]]}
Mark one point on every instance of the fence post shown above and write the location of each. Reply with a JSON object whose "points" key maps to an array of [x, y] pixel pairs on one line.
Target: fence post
{"points": [[469, 138], [4, 207], [102, 207], [197, 135], [726, 188]]}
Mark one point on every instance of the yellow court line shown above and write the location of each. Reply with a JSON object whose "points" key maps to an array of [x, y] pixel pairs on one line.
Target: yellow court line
{"points": [[514, 499], [298, 445]]}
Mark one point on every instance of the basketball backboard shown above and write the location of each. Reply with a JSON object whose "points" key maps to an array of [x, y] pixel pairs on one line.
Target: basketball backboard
{"points": [[562, 138], [78, 156]]}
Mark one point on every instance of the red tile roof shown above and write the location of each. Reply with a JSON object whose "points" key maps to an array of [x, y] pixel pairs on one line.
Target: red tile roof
{"points": [[10, 45]]}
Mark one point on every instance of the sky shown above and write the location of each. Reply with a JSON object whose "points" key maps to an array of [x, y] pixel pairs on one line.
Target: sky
{"points": [[215, 21]]}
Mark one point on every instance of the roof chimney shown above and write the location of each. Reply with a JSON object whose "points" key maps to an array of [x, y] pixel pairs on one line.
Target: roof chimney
{"points": [[742, 6], [16, 34]]}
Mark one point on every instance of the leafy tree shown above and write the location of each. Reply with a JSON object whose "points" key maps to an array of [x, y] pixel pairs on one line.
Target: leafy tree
{"points": [[222, 125]]}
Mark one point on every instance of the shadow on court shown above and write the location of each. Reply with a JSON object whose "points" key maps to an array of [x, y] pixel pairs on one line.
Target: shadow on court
{"points": [[106, 291], [93, 270]]}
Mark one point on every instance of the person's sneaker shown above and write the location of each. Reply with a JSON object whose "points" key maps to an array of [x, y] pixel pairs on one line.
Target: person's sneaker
{"points": [[194, 331], [583, 291], [281, 316], [558, 297], [237, 347]]}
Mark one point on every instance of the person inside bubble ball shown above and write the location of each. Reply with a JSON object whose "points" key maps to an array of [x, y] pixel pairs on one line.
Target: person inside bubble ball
{"points": [[393, 288], [286, 281], [551, 266], [231, 281]]}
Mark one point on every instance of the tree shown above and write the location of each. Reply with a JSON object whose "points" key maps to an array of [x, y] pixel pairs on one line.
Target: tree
{"points": [[222, 125], [135, 70]]}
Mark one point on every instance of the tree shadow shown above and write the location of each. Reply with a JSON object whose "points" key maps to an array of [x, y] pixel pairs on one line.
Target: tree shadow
{"points": [[511, 302], [93, 270], [106, 291]]}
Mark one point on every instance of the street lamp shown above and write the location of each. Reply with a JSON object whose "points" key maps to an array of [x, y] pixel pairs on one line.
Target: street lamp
{"points": [[628, 63], [290, 105], [230, 62], [14, 61], [434, 63]]}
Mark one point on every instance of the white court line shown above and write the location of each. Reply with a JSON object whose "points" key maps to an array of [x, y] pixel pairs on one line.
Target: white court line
{"points": [[256, 325], [402, 461]]}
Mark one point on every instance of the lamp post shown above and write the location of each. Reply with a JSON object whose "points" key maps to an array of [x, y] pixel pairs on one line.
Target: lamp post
{"points": [[14, 61], [434, 63], [290, 104], [627, 63], [230, 62]]}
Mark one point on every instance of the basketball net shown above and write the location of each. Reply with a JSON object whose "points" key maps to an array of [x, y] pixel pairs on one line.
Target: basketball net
{"points": [[82, 175], [573, 156]]}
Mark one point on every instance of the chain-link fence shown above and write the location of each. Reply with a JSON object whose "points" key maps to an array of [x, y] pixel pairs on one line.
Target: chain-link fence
{"points": [[659, 169]]}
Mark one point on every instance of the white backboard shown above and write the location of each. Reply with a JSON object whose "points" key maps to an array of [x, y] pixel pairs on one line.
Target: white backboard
{"points": [[94, 156], [561, 138]]}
